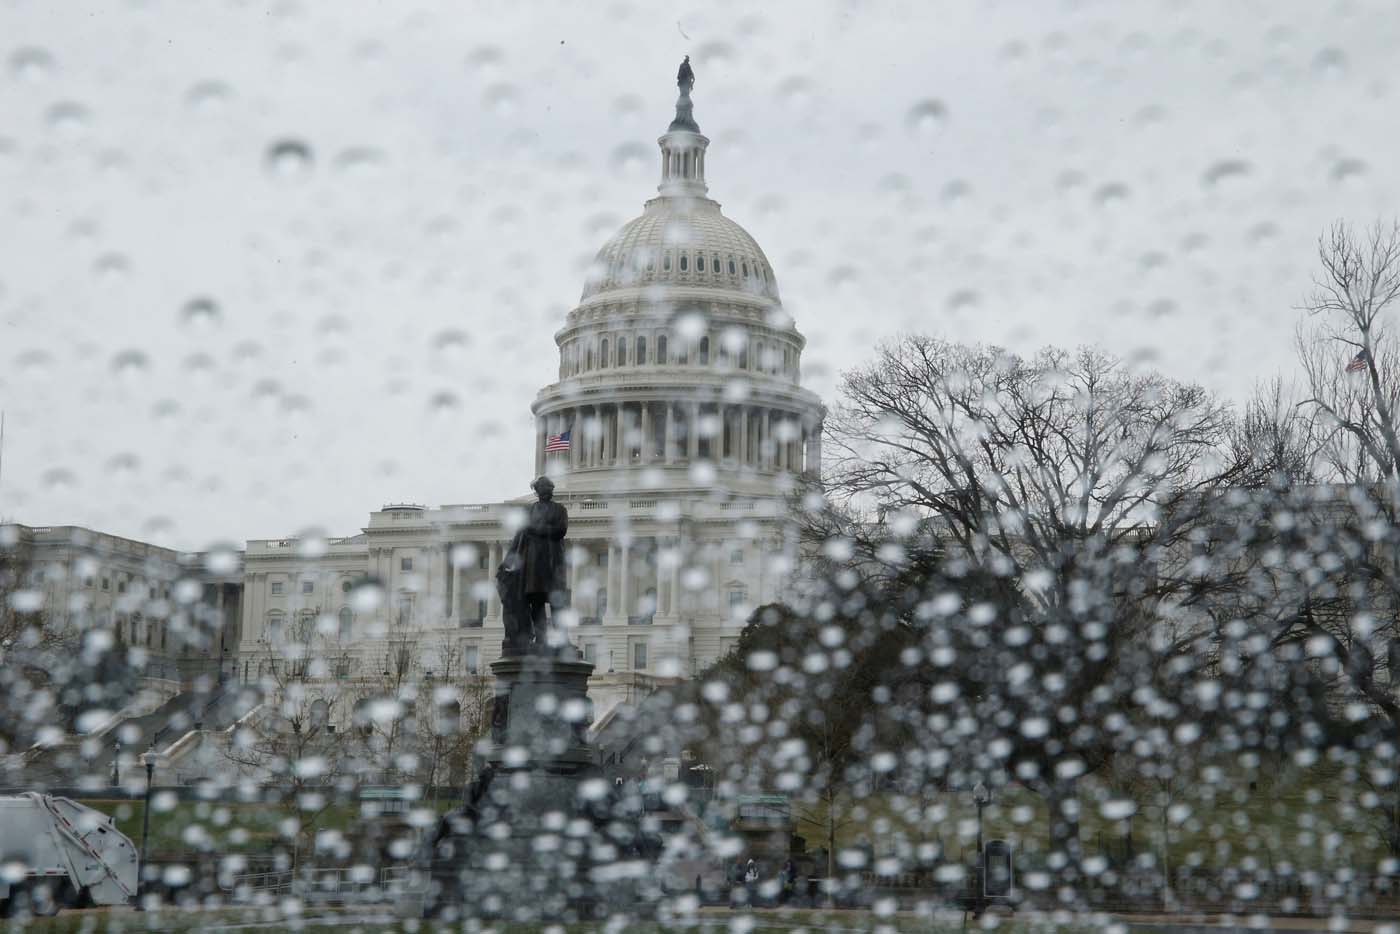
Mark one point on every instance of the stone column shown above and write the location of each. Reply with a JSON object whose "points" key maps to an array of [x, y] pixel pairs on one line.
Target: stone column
{"points": [[539, 445], [692, 438], [765, 440], [718, 445], [448, 573], [573, 574], [814, 452], [646, 433], [606, 453], [493, 602], [670, 433], [613, 562], [656, 562], [743, 447], [624, 580], [674, 601]]}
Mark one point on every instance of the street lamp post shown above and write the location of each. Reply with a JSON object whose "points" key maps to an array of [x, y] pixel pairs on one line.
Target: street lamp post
{"points": [[116, 762], [981, 796], [148, 759]]}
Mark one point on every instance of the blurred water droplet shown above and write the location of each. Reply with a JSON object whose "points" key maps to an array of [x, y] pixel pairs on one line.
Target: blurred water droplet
{"points": [[130, 363], [360, 162], [34, 363], [443, 403], [631, 160], [627, 107], [1225, 171], [111, 267], [68, 118], [1110, 195], [123, 463], [289, 160], [955, 191], [31, 64], [208, 98], [926, 118], [484, 58], [1330, 63], [1346, 170], [963, 299], [366, 596], [201, 313], [795, 93], [57, 478], [501, 98]]}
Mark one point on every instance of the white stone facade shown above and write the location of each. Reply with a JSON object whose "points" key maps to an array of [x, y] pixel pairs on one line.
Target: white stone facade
{"points": [[679, 386]]}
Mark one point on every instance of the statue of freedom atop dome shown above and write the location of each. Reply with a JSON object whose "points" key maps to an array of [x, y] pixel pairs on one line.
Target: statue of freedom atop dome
{"points": [[532, 577], [685, 78]]}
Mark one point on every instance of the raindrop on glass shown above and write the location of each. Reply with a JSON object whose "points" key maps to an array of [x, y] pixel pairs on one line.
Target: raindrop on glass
{"points": [[130, 363], [289, 160], [200, 313], [68, 118], [31, 64], [926, 118], [208, 97]]}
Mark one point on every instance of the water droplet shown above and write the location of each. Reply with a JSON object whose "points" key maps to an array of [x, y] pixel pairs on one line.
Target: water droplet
{"points": [[926, 118], [502, 98], [130, 363], [208, 98], [795, 93], [359, 162], [484, 58], [34, 363], [200, 313], [366, 596], [221, 558], [1346, 170], [1118, 808], [57, 478], [111, 267], [1225, 171], [289, 160], [443, 403], [631, 160], [31, 64], [955, 191], [1330, 63], [68, 118], [1110, 195]]}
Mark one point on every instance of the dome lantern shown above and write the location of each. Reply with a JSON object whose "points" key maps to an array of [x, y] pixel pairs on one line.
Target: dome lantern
{"points": [[683, 145]]}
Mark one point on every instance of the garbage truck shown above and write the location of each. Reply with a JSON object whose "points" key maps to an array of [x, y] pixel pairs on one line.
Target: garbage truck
{"points": [[56, 853]]}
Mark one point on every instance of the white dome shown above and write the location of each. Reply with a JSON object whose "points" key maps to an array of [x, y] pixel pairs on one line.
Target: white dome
{"points": [[681, 241]]}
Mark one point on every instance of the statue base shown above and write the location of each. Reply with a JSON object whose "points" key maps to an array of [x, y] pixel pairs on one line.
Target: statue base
{"points": [[526, 843]]}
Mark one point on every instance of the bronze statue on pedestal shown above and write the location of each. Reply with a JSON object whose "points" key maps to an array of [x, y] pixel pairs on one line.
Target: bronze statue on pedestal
{"points": [[531, 578]]}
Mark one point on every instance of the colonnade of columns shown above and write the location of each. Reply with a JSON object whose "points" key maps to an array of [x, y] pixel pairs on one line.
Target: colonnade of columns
{"points": [[611, 434]]}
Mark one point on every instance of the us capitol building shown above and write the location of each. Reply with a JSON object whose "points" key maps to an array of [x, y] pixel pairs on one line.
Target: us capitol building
{"points": [[675, 431]]}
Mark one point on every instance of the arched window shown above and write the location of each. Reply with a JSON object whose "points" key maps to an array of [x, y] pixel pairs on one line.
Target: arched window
{"points": [[666, 262], [641, 351], [603, 354], [347, 622], [661, 349], [276, 623], [699, 262], [590, 358], [744, 356], [745, 265], [714, 263], [651, 261], [703, 357], [731, 265], [684, 260], [622, 351]]}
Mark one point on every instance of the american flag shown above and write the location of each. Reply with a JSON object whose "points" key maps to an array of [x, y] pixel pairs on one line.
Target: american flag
{"points": [[558, 442], [1358, 362]]}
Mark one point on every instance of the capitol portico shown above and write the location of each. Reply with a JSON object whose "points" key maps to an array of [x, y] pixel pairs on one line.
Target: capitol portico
{"points": [[675, 431]]}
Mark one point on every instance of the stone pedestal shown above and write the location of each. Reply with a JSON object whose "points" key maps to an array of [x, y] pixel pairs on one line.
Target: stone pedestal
{"points": [[537, 836]]}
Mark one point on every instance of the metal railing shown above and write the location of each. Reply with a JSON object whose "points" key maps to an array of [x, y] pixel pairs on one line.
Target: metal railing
{"points": [[346, 884]]}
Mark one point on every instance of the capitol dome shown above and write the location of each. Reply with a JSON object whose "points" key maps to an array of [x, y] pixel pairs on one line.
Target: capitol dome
{"points": [[678, 368], [681, 241]]}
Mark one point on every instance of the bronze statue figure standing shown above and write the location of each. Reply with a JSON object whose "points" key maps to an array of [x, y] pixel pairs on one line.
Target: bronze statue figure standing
{"points": [[531, 579]]}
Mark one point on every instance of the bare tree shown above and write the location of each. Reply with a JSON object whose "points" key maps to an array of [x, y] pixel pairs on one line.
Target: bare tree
{"points": [[1350, 354], [458, 715], [290, 742], [386, 709], [1036, 519]]}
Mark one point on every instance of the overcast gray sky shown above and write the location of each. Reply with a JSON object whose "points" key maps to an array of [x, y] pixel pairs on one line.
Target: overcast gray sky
{"points": [[383, 211]]}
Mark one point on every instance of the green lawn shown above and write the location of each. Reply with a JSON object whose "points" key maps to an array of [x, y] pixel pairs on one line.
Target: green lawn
{"points": [[230, 827], [1309, 818], [765, 922]]}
